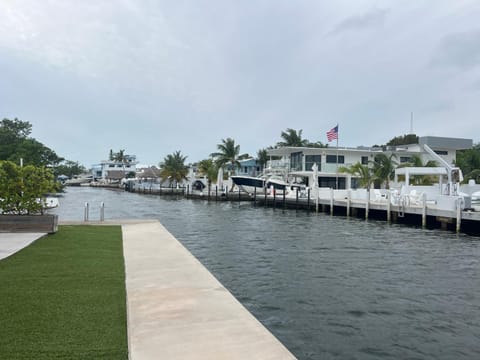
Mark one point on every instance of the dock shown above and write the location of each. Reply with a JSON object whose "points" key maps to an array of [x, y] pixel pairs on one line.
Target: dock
{"points": [[178, 310], [445, 212]]}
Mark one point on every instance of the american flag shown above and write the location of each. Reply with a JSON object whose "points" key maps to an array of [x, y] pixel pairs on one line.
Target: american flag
{"points": [[332, 134]]}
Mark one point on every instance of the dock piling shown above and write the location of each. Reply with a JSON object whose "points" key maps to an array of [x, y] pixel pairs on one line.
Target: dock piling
{"points": [[459, 214], [349, 199], [424, 210], [86, 211], [331, 201], [102, 211]]}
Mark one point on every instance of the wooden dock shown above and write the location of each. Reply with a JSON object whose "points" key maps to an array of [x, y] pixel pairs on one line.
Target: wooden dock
{"points": [[445, 213]]}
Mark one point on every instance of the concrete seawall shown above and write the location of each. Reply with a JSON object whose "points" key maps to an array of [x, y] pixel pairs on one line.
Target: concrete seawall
{"points": [[178, 310]]}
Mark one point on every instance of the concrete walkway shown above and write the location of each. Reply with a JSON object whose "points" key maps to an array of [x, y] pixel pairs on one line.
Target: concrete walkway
{"points": [[178, 310], [10, 243]]}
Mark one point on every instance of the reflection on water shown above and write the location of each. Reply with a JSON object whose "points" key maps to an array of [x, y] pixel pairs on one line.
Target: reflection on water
{"points": [[327, 287]]}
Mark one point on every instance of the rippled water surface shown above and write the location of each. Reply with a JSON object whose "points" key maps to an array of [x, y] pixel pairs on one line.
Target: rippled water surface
{"points": [[327, 287]]}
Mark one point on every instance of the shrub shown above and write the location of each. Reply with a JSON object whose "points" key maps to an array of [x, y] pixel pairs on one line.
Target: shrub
{"points": [[22, 189]]}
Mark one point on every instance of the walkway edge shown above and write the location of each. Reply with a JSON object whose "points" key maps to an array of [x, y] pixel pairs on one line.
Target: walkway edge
{"points": [[176, 309]]}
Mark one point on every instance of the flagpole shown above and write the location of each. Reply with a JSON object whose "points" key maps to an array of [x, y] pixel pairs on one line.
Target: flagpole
{"points": [[336, 168]]}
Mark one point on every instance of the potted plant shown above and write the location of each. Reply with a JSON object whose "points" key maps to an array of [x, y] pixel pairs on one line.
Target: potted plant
{"points": [[22, 198]]}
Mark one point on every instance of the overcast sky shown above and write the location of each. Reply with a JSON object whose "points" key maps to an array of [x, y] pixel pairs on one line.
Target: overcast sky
{"points": [[153, 77]]}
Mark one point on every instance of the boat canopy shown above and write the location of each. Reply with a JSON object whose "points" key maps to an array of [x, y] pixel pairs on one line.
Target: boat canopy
{"points": [[431, 171]]}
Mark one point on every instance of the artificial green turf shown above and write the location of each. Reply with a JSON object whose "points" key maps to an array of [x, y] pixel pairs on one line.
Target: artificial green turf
{"points": [[63, 297]]}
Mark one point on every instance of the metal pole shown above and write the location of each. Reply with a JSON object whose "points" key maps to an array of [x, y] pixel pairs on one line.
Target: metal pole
{"points": [[102, 211], [85, 212]]}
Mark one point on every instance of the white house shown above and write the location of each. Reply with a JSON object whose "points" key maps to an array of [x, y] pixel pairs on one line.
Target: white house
{"points": [[299, 160], [110, 170]]}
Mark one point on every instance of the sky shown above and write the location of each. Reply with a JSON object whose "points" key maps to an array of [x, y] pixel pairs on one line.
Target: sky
{"points": [[153, 77]]}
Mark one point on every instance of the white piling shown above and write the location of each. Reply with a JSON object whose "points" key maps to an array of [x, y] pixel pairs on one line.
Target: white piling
{"points": [[389, 205], [86, 211], [331, 201], [102, 211], [424, 210], [459, 214], [349, 199], [367, 204]]}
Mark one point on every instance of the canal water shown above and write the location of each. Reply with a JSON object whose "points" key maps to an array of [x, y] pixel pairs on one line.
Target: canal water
{"points": [[326, 287]]}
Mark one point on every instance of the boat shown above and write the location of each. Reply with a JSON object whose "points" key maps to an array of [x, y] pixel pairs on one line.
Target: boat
{"points": [[257, 185], [79, 181]]}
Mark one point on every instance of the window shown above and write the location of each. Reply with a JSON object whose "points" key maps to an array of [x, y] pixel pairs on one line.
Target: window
{"points": [[331, 182], [296, 161], [441, 152], [111, 165], [405, 159], [364, 160], [332, 159], [312, 159]]}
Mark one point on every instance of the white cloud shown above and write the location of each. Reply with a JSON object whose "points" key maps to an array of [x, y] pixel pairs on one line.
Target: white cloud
{"points": [[159, 76]]}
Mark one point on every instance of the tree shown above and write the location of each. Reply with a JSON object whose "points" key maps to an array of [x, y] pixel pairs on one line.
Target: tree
{"points": [[416, 161], [363, 172], [69, 168], [209, 169], [262, 158], [120, 156], [403, 140], [469, 161], [293, 138], [23, 188], [174, 167], [384, 168], [15, 144], [228, 153]]}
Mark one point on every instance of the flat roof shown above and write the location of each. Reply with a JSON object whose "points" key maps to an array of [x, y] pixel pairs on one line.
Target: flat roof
{"points": [[446, 142]]}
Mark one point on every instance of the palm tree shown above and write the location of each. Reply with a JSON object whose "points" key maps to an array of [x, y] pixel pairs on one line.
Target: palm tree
{"points": [[384, 168], [292, 137], [209, 169], [174, 167], [363, 172], [416, 161], [262, 158], [228, 153], [120, 156]]}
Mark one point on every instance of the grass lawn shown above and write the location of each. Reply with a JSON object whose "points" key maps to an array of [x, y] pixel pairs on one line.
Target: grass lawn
{"points": [[63, 297]]}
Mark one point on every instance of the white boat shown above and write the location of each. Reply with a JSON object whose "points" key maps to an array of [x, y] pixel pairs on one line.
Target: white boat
{"points": [[257, 185], [79, 181]]}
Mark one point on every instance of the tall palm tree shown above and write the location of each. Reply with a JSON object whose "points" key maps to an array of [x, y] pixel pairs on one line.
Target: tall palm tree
{"points": [[384, 168], [119, 156], [228, 153], [292, 137], [262, 158], [174, 167], [209, 169], [363, 172]]}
